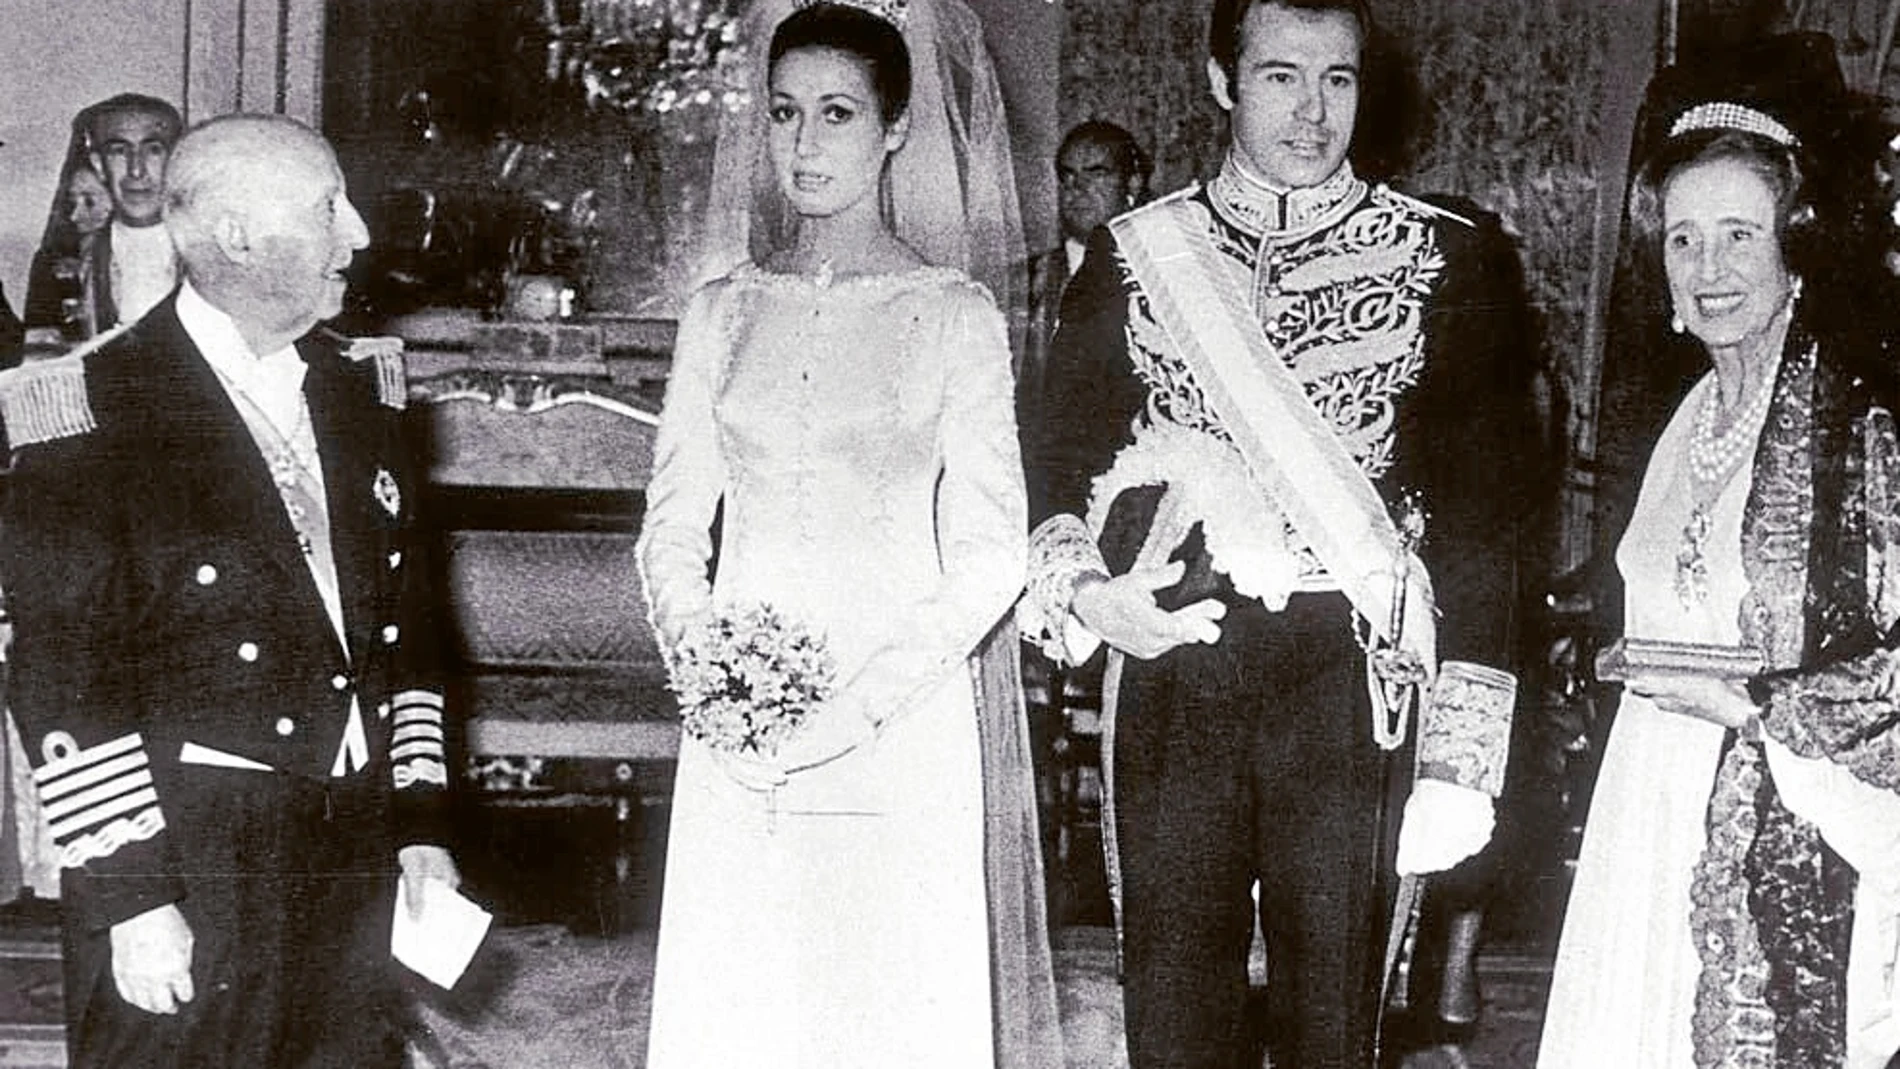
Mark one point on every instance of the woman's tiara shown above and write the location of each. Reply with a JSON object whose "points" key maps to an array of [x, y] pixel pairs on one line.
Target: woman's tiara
{"points": [[891, 11], [1723, 115]]}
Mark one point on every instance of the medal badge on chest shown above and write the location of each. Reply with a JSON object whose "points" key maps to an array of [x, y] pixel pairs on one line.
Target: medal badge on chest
{"points": [[388, 494]]}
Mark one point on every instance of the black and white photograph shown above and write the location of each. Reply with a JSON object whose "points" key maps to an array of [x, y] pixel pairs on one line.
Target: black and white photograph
{"points": [[950, 534]]}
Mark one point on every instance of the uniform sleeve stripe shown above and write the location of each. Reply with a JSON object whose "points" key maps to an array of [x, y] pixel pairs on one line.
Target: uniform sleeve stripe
{"points": [[419, 748], [92, 796], [145, 824], [62, 786], [418, 731], [100, 814], [60, 767], [407, 698], [408, 774]]}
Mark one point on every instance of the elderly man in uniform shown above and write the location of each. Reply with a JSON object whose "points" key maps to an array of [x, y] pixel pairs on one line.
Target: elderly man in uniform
{"points": [[1253, 381], [221, 654]]}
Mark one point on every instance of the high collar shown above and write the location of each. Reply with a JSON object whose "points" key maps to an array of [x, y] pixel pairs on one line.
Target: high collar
{"points": [[1256, 207], [273, 382]]}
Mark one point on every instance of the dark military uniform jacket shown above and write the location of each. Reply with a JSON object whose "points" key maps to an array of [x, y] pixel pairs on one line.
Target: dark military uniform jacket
{"points": [[162, 606], [1405, 322]]}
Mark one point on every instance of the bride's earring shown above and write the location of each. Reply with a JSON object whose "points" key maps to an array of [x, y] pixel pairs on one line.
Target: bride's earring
{"points": [[1675, 322]]}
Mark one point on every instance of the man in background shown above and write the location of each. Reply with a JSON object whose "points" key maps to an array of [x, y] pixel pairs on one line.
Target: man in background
{"points": [[1101, 172], [128, 266], [222, 663]]}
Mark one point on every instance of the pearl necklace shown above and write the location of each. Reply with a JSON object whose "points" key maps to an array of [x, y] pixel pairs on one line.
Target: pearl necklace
{"points": [[1714, 458]]}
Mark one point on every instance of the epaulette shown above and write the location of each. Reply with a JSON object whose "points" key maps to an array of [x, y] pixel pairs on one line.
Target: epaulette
{"points": [[1426, 206], [46, 400], [392, 379]]}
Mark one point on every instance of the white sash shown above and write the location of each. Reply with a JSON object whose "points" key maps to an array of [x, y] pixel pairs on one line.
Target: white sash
{"points": [[1197, 297]]}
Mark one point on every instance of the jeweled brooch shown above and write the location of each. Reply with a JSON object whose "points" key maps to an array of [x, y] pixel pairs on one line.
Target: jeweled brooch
{"points": [[388, 494]]}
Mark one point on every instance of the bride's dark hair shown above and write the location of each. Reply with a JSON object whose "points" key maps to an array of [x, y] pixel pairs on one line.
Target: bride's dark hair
{"points": [[874, 41]]}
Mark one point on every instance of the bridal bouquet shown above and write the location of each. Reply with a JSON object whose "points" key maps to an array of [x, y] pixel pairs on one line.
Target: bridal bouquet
{"points": [[747, 678]]}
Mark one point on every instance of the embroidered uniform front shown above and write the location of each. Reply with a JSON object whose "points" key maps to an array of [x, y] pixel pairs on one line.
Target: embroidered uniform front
{"points": [[1339, 276]]}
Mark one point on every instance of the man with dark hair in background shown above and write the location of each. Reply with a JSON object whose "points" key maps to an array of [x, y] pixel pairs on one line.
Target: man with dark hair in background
{"points": [[1101, 172], [128, 266], [1264, 392]]}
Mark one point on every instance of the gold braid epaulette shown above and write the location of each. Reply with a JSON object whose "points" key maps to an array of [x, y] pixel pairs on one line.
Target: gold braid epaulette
{"points": [[392, 380], [46, 400]]}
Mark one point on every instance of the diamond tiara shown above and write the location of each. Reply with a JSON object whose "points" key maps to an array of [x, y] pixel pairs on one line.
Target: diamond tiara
{"points": [[891, 11], [1723, 115]]}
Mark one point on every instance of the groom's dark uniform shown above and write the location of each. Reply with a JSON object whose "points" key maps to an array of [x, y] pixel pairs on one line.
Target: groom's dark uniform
{"points": [[201, 734], [1254, 756]]}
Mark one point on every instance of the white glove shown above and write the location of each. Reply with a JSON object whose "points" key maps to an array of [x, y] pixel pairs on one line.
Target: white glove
{"points": [[1443, 824]]}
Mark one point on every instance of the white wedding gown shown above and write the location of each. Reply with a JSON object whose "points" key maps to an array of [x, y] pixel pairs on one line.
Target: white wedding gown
{"points": [[861, 438], [1623, 989]]}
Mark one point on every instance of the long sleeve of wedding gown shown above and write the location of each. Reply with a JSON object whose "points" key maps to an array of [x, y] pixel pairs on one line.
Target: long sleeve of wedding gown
{"points": [[981, 516], [688, 478]]}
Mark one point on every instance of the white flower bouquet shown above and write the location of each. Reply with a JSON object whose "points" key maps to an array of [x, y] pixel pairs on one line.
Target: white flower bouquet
{"points": [[747, 679]]}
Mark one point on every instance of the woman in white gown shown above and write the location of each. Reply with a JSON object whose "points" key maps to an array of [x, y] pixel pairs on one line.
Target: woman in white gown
{"points": [[849, 408], [1736, 898]]}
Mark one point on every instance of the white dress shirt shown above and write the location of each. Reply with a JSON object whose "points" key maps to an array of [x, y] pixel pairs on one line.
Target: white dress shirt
{"points": [[144, 268]]}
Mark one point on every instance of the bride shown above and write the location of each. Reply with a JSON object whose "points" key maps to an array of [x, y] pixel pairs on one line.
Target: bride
{"points": [[842, 400]]}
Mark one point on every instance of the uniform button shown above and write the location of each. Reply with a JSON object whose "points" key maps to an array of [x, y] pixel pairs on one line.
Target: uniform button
{"points": [[340, 682], [285, 725], [390, 633], [247, 651], [207, 575], [395, 558]]}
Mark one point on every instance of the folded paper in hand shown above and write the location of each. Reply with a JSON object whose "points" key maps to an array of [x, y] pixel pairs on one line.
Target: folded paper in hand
{"points": [[440, 943], [1628, 657]]}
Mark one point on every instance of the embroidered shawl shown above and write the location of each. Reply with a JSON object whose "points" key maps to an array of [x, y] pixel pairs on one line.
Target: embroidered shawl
{"points": [[1772, 902]]}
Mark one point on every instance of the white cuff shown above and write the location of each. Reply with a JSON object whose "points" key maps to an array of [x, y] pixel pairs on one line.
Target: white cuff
{"points": [[1443, 824]]}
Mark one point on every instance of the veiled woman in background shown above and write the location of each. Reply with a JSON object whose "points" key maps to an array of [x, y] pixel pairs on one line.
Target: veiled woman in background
{"points": [[1737, 899], [82, 206], [869, 895]]}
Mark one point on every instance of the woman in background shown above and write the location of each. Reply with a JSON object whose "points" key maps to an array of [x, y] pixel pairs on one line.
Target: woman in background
{"points": [[1738, 893], [82, 206], [846, 404]]}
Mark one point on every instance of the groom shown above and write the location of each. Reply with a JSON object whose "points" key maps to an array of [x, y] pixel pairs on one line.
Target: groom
{"points": [[1250, 378]]}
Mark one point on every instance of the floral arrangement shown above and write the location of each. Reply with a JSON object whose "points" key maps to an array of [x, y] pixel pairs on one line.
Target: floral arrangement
{"points": [[747, 679]]}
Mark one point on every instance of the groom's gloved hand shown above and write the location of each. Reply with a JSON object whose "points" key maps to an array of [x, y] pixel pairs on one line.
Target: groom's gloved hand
{"points": [[1443, 825]]}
